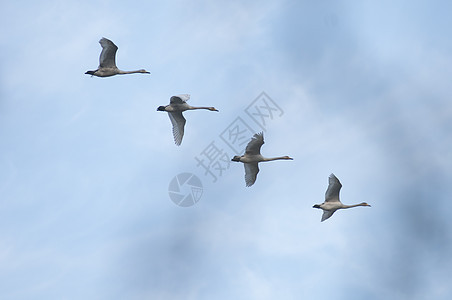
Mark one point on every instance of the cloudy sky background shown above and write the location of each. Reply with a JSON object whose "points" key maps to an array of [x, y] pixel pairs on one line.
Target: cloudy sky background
{"points": [[85, 163]]}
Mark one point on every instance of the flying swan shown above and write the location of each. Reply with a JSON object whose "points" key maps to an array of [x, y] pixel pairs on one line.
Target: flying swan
{"points": [[332, 202], [178, 104], [107, 66], [253, 157]]}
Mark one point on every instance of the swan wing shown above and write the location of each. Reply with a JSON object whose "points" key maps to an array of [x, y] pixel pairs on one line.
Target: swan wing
{"points": [[178, 121], [327, 214], [334, 186], [179, 99], [251, 170], [254, 146], [108, 54]]}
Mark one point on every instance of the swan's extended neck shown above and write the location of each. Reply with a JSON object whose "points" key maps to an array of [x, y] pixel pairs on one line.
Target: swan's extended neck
{"points": [[133, 72], [355, 205], [203, 107], [277, 158]]}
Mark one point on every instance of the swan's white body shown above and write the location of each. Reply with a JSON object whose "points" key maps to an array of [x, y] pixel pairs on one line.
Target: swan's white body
{"points": [[178, 104], [107, 65], [253, 157], [332, 202]]}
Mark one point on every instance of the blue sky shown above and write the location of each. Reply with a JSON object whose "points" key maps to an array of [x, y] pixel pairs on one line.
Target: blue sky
{"points": [[85, 162]]}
